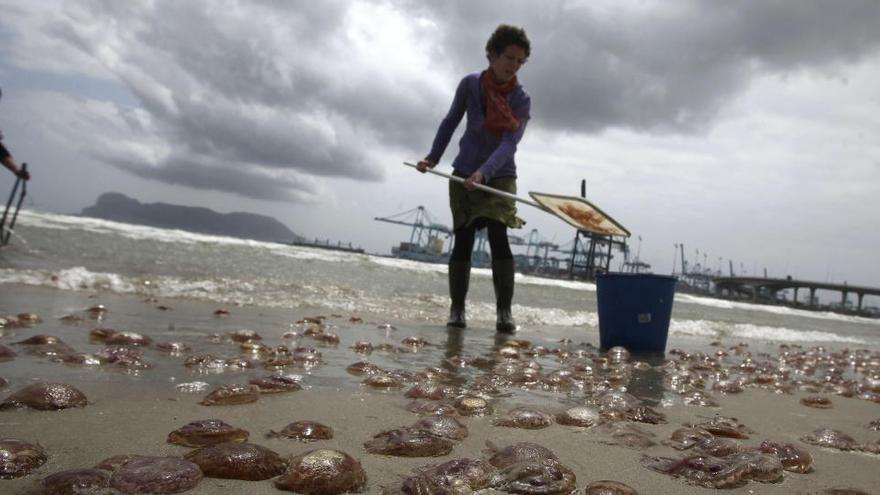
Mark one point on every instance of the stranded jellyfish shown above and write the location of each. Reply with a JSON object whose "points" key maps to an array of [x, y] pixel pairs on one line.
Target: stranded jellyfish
{"points": [[470, 405], [362, 347], [720, 446], [74, 481], [18, 458], [206, 432], [578, 416], [457, 476], [39, 340], [429, 390], [29, 319], [323, 472], [721, 426], [442, 426], [148, 474], [112, 337], [719, 472], [235, 393], [817, 401], [363, 368], [305, 431], [617, 355], [45, 397], [6, 353], [793, 458], [431, 407], [685, 438], [408, 442], [831, 438], [517, 452], [644, 414], [241, 461], [383, 382], [244, 335], [524, 417], [529, 468], [272, 384]]}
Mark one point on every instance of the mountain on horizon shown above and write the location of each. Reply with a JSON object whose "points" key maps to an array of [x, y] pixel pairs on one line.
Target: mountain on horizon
{"points": [[119, 207]]}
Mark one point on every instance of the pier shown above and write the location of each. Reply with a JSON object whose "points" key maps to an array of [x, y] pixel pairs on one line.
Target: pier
{"points": [[768, 288]]}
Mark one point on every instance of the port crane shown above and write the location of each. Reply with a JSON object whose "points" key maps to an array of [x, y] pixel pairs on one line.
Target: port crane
{"points": [[537, 256], [427, 237]]}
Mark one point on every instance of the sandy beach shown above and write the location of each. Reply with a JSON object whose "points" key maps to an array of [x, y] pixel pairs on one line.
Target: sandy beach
{"points": [[132, 413]]}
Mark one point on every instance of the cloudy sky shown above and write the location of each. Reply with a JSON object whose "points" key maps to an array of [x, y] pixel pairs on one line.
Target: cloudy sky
{"points": [[747, 130]]}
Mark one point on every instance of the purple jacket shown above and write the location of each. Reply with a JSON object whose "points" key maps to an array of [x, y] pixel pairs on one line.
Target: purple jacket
{"points": [[479, 149]]}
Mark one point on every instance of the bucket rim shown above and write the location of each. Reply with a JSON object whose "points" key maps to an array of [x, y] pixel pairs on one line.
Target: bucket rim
{"points": [[635, 275]]}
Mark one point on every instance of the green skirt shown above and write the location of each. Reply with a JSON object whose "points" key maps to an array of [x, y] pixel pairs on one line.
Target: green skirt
{"points": [[467, 206]]}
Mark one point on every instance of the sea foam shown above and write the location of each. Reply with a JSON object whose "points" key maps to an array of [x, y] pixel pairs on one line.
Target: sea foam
{"points": [[748, 331], [426, 308], [780, 310]]}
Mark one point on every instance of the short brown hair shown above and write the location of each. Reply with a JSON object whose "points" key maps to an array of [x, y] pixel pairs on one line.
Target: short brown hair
{"points": [[506, 35]]}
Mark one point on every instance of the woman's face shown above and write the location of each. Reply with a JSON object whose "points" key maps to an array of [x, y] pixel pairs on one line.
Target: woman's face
{"points": [[507, 63]]}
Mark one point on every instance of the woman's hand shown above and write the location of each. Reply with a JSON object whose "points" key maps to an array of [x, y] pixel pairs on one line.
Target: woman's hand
{"points": [[424, 165], [470, 182]]}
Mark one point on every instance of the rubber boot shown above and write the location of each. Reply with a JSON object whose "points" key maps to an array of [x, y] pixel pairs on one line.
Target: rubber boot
{"points": [[459, 278], [502, 279]]}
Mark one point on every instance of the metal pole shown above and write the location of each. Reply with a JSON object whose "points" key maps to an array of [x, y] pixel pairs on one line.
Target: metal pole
{"points": [[674, 256], [6, 232], [481, 187], [608, 257], [9, 202]]}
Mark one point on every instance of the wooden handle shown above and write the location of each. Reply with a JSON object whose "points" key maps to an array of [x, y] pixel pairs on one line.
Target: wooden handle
{"points": [[481, 187]]}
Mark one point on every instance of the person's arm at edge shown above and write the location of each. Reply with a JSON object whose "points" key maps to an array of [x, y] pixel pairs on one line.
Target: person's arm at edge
{"points": [[13, 167]]}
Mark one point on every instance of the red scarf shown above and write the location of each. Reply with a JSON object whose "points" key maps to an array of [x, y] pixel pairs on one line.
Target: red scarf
{"points": [[499, 115]]}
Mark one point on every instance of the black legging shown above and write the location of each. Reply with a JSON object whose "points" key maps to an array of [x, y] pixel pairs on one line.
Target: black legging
{"points": [[498, 243]]}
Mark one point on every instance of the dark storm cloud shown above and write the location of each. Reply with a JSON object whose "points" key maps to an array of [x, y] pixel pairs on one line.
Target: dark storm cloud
{"points": [[662, 66], [222, 178], [263, 84], [292, 89]]}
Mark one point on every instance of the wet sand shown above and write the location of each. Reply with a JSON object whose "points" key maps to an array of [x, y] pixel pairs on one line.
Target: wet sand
{"points": [[133, 413]]}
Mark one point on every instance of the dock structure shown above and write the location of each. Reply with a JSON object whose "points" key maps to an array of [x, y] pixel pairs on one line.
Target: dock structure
{"points": [[592, 252], [427, 238], [537, 258], [589, 253], [757, 287], [432, 241]]}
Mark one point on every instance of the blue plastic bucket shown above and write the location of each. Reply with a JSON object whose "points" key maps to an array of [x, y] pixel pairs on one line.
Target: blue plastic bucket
{"points": [[634, 310]]}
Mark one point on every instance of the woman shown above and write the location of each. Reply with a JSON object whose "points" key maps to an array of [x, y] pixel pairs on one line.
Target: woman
{"points": [[497, 110]]}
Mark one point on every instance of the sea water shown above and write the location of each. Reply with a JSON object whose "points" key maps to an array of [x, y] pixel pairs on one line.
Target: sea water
{"points": [[71, 253]]}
